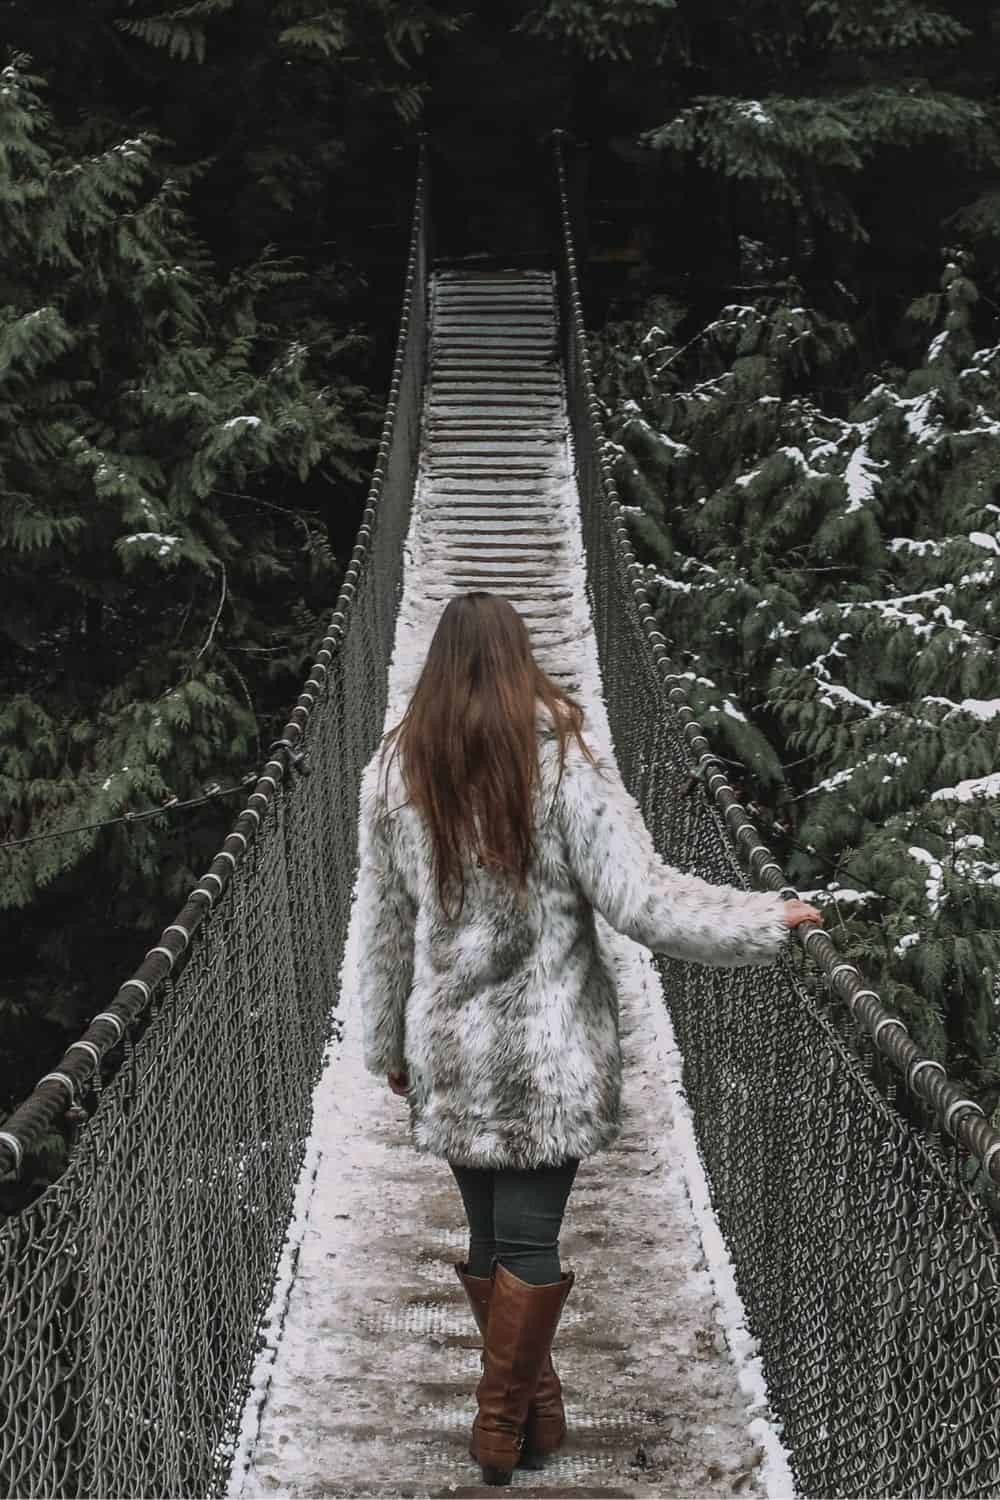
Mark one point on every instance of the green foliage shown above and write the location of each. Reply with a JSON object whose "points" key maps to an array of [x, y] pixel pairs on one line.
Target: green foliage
{"points": [[830, 585], [805, 36], [385, 36], [181, 32], [154, 432], [799, 152], [598, 29], [882, 25], [810, 138]]}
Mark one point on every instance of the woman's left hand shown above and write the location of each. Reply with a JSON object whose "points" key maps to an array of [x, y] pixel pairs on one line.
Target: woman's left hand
{"points": [[399, 1082], [801, 911]]}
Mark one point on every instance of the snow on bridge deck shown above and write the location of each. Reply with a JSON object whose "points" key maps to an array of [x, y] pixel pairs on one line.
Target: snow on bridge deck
{"points": [[366, 1382]]}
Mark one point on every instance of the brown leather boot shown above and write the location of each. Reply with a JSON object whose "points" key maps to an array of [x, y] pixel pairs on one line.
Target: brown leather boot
{"points": [[479, 1290], [522, 1323], [545, 1425]]}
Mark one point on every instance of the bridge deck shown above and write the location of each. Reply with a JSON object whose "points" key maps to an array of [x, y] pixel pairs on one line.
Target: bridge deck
{"points": [[366, 1384]]}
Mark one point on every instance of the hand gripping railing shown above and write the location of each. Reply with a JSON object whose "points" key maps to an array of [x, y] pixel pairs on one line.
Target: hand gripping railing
{"points": [[869, 1271], [131, 1290]]}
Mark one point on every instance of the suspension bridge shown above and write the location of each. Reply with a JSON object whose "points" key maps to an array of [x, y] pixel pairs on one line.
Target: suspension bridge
{"points": [[241, 1284]]}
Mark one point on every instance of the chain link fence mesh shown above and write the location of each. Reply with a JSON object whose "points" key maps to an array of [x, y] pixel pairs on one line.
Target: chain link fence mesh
{"points": [[132, 1289], [868, 1269]]}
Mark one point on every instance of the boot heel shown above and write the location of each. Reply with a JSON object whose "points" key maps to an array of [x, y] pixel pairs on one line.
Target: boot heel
{"points": [[532, 1461], [530, 1457], [493, 1475]]}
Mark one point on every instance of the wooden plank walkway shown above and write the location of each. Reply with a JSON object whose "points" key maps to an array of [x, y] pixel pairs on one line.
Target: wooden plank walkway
{"points": [[366, 1384]]}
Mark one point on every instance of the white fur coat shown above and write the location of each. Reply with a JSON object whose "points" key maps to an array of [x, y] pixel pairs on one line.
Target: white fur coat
{"points": [[506, 1019]]}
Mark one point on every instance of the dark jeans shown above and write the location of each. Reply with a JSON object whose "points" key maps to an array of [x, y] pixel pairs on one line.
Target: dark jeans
{"points": [[515, 1217]]}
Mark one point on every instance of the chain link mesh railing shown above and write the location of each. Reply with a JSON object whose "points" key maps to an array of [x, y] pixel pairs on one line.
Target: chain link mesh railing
{"points": [[132, 1289], [868, 1268]]}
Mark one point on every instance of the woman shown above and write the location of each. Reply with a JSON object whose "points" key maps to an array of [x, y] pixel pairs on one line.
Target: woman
{"points": [[490, 836]]}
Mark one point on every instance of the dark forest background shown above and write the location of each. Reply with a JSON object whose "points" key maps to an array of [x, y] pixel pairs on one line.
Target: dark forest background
{"points": [[791, 218]]}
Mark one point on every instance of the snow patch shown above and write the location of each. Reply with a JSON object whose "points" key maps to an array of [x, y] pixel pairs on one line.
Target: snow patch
{"points": [[936, 347], [861, 477], [932, 884], [983, 709], [918, 549], [834, 694], [841, 778], [754, 111], [969, 791], [918, 418], [166, 544], [835, 892]]}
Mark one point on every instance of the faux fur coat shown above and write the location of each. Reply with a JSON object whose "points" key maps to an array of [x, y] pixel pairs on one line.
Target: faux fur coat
{"points": [[506, 1018]]}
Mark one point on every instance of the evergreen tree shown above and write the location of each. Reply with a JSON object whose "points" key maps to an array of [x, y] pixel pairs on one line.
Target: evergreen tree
{"points": [[319, 67], [822, 542], [829, 585], [282, 118], [185, 431], [836, 131], [161, 578]]}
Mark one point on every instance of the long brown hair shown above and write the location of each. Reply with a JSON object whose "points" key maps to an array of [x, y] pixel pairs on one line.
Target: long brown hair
{"points": [[468, 742]]}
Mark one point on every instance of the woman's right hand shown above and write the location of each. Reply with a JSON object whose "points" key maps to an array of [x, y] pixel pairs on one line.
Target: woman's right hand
{"points": [[399, 1083], [801, 911]]}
